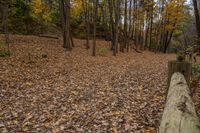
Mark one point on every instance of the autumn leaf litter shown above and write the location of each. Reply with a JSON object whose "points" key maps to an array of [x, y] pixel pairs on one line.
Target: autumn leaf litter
{"points": [[75, 92]]}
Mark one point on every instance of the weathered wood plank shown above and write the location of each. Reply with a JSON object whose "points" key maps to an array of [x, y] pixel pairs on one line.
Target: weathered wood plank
{"points": [[179, 114]]}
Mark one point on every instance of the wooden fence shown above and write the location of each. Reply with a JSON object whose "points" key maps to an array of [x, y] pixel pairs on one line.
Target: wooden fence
{"points": [[179, 114]]}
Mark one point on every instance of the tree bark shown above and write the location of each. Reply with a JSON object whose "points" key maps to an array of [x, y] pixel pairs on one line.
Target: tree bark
{"points": [[117, 18], [65, 16], [85, 5], [110, 5], [197, 18], [5, 25], [151, 29], [125, 26], [95, 2], [130, 26]]}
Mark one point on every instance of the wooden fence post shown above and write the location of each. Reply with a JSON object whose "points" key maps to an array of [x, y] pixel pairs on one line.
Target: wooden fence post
{"points": [[181, 66]]}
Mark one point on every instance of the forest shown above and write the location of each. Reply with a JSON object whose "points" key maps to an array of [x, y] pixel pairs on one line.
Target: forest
{"points": [[87, 66]]}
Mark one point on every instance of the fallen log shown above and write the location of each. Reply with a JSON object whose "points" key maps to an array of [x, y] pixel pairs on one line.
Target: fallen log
{"points": [[49, 36], [137, 50], [179, 114]]}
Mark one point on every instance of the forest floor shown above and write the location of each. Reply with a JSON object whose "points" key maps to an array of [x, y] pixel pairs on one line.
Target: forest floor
{"points": [[75, 92]]}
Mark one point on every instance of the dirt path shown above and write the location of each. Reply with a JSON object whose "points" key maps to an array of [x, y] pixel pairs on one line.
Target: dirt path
{"points": [[75, 92]]}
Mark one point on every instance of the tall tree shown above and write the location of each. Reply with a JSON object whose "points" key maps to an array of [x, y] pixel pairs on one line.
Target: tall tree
{"points": [[116, 33], [85, 4], [111, 8], [125, 25], [197, 18], [5, 24], [130, 25], [95, 3], [65, 16], [151, 26]]}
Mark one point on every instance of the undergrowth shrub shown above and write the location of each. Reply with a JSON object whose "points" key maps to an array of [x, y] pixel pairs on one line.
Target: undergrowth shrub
{"points": [[3, 50], [196, 70]]}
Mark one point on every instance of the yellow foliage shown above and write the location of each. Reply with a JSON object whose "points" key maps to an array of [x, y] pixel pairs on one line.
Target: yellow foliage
{"points": [[76, 9], [40, 11], [174, 12]]}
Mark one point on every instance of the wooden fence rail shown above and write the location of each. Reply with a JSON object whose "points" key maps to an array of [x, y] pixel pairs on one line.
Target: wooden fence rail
{"points": [[179, 114]]}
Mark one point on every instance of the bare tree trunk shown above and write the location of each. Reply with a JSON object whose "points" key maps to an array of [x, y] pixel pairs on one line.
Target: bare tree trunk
{"points": [[65, 16], [165, 41], [95, 2], [125, 26], [142, 34], [151, 30], [117, 18], [5, 26], [147, 31], [69, 46], [136, 24], [71, 38], [110, 5], [197, 17], [85, 5], [165, 33], [129, 29]]}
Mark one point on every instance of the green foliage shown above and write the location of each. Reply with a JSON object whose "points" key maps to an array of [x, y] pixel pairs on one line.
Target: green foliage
{"points": [[55, 12], [196, 70], [181, 56], [189, 49], [3, 51], [40, 11], [26, 17]]}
